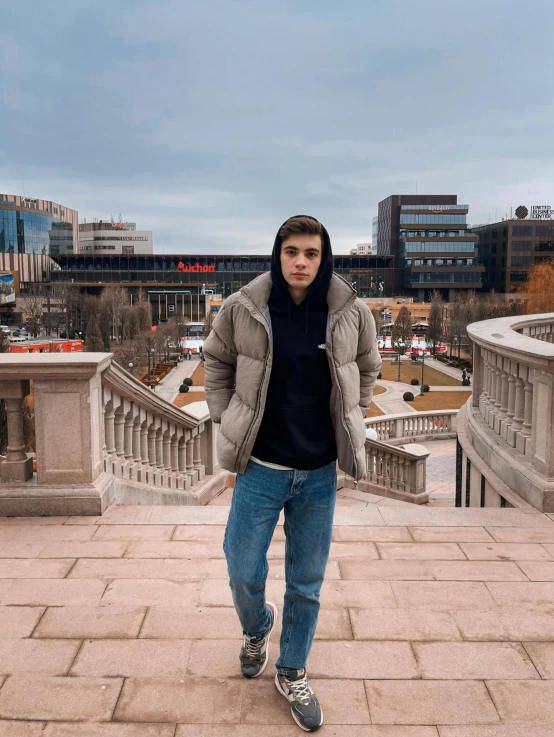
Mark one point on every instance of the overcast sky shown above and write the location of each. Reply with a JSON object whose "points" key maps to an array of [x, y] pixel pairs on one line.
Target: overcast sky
{"points": [[212, 121]]}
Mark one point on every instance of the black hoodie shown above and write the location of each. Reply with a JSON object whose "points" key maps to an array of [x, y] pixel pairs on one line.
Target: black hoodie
{"points": [[297, 430]]}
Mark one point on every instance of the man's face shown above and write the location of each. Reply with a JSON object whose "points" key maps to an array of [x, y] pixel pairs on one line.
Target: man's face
{"points": [[300, 259]]}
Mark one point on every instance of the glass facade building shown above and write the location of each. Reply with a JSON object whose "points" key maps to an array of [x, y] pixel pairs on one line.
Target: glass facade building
{"points": [[40, 227], [509, 249], [434, 250], [371, 276]]}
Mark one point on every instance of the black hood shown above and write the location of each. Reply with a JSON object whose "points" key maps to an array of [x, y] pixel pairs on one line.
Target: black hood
{"points": [[316, 301]]}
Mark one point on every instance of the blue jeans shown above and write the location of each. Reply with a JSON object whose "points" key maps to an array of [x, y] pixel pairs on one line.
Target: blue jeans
{"points": [[308, 500]]}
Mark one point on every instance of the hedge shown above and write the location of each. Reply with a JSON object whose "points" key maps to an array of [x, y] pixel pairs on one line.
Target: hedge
{"points": [[414, 382], [184, 388], [408, 397]]}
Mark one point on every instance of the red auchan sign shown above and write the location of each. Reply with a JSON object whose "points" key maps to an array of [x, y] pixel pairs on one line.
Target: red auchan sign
{"points": [[195, 267]]}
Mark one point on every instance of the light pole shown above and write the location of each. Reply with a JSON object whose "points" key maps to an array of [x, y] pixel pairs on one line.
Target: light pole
{"points": [[422, 366], [131, 369], [400, 349]]}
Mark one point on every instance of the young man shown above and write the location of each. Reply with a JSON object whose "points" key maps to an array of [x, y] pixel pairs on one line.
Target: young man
{"points": [[290, 363]]}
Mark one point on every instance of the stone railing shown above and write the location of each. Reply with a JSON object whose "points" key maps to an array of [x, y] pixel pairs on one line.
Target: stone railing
{"points": [[508, 420], [396, 471], [101, 437], [416, 427]]}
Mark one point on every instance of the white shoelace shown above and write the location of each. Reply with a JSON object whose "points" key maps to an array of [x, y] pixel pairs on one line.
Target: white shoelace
{"points": [[302, 692], [253, 649]]}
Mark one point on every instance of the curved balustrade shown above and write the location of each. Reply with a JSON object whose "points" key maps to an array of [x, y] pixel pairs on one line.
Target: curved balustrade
{"points": [[101, 437], [418, 426], [508, 420]]}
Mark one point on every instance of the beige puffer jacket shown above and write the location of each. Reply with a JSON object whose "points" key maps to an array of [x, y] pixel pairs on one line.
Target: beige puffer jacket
{"points": [[238, 356]]}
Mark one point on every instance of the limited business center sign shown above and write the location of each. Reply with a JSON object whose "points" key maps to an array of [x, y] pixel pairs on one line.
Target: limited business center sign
{"points": [[535, 212]]}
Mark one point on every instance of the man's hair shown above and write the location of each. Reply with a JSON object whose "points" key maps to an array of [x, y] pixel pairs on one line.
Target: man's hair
{"points": [[300, 224]]}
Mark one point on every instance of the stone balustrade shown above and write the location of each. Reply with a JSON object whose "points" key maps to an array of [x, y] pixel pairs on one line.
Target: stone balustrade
{"points": [[418, 427], [508, 419], [101, 437]]}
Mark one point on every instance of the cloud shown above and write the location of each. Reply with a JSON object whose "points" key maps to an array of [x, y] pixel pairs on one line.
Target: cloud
{"points": [[210, 123]]}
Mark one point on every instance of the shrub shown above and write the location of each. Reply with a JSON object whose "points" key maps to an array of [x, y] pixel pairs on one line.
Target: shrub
{"points": [[188, 381], [426, 387], [466, 382], [414, 382], [184, 388], [408, 397], [379, 375]]}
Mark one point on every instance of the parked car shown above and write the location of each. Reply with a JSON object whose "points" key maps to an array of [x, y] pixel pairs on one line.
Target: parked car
{"points": [[5, 329]]}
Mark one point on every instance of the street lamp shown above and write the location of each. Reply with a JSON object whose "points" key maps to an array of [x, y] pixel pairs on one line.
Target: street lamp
{"points": [[399, 345], [131, 369], [422, 367], [151, 356]]}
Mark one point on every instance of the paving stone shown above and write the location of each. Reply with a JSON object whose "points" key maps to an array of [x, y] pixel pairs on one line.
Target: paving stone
{"points": [[107, 729], [421, 570], [505, 551], [421, 551], [164, 515], [359, 659], [542, 655], [16, 549], [26, 521], [522, 534], [83, 520], [24, 568], [430, 702], [145, 658], [281, 730], [353, 550], [523, 701], [216, 592], [343, 702], [537, 570], [36, 533], [526, 729], [120, 568], [133, 532], [54, 592], [86, 549], [345, 594], [531, 594], [173, 549], [473, 660], [371, 534], [7, 533], [420, 516], [19, 621], [151, 592], [200, 533], [443, 595], [46, 657], [5, 586], [188, 700], [9, 728], [222, 622], [450, 534], [59, 698], [403, 624], [359, 515], [81, 622], [220, 659]]}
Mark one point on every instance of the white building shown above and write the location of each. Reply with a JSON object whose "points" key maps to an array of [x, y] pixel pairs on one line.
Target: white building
{"points": [[108, 238], [364, 249]]}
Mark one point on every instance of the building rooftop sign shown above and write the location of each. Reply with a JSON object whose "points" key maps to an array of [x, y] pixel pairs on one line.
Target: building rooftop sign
{"points": [[542, 212]]}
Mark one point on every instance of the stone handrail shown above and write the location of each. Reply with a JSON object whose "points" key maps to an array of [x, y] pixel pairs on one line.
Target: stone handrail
{"points": [[415, 426], [101, 436], [510, 414], [397, 472]]}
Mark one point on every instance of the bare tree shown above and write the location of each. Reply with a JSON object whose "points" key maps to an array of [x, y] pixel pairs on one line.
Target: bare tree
{"points": [[379, 321], [33, 307], [402, 328], [93, 337], [435, 328], [114, 300]]}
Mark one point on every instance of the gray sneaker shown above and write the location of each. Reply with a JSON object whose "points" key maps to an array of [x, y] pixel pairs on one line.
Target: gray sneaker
{"points": [[304, 704], [254, 654]]}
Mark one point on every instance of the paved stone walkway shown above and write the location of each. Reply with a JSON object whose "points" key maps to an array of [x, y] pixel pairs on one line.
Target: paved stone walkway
{"points": [[168, 388], [434, 623]]}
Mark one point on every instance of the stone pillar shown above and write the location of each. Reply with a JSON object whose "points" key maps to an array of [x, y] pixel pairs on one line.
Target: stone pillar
{"points": [[119, 431], [167, 450], [109, 428], [197, 459], [16, 467], [128, 436], [68, 420], [190, 461], [137, 450], [474, 487], [478, 377], [501, 419], [519, 411], [209, 448], [492, 401], [144, 441], [511, 399], [175, 452]]}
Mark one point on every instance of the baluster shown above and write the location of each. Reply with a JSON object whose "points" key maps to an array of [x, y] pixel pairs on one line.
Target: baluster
{"points": [[519, 412], [528, 415], [190, 460]]}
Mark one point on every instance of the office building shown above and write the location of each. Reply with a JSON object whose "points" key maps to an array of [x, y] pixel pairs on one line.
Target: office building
{"points": [[510, 248], [429, 238], [110, 238], [364, 249], [31, 231]]}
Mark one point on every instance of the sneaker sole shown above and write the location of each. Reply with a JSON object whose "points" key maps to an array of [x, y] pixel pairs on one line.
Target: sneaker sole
{"points": [[293, 715], [264, 666]]}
